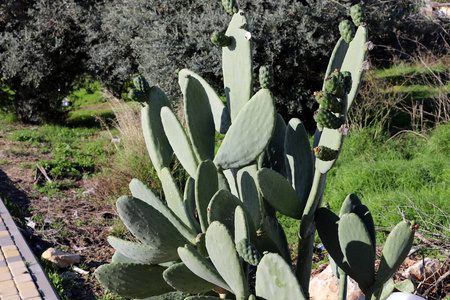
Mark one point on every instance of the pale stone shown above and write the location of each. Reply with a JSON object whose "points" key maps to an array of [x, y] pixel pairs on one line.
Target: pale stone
{"points": [[403, 296], [325, 286], [428, 271], [61, 259]]}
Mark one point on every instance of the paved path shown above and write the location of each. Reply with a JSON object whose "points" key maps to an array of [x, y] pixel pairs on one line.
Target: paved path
{"points": [[21, 276]]}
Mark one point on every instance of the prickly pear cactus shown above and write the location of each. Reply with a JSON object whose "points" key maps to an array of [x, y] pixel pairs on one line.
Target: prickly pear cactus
{"points": [[207, 241]]}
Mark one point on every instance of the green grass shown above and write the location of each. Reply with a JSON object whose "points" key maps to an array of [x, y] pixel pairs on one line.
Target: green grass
{"points": [[409, 173]]}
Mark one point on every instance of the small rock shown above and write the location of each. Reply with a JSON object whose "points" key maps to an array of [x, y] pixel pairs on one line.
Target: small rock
{"points": [[403, 296], [61, 259], [427, 271], [325, 286]]}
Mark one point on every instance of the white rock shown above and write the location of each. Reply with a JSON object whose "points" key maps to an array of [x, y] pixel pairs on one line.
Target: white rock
{"points": [[325, 286], [61, 259], [403, 296], [426, 271]]}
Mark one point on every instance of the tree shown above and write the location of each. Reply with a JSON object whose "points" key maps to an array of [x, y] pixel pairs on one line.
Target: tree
{"points": [[42, 52]]}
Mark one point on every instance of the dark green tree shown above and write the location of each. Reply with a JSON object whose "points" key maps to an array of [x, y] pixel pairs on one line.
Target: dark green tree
{"points": [[42, 52]]}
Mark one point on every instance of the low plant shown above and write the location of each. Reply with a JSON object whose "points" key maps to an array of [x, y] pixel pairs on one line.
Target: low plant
{"points": [[219, 237]]}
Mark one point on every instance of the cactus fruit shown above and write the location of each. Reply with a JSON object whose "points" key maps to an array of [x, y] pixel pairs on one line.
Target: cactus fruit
{"points": [[326, 118], [329, 102], [357, 14], [325, 153], [266, 76], [141, 84], [334, 84], [230, 6], [347, 30], [248, 252], [219, 39]]}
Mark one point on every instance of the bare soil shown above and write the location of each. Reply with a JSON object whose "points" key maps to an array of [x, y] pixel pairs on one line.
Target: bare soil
{"points": [[72, 221]]}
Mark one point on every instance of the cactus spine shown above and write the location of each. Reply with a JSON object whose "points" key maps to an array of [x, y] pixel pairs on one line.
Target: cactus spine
{"points": [[209, 239]]}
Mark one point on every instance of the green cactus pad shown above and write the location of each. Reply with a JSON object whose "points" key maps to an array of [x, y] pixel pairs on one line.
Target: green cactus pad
{"points": [[120, 258], [325, 154], [229, 175], [150, 226], [141, 191], [329, 102], [199, 119], [406, 286], [172, 194], [241, 226], [247, 251], [132, 280], [158, 146], [189, 204], [249, 134], [237, 59], [347, 30], [221, 115], [350, 57], [327, 227], [387, 289], [271, 238], [249, 194], [395, 250], [266, 77], [345, 57], [230, 6], [219, 39], [179, 141], [182, 279], [364, 214], [279, 193], [223, 255], [356, 244], [299, 158], [201, 266], [276, 280], [357, 14], [349, 204], [139, 253], [206, 186], [274, 155], [222, 208]]}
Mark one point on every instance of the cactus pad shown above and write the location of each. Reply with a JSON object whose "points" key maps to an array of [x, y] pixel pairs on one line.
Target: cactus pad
{"points": [[181, 278], [279, 193], [276, 280], [132, 280]]}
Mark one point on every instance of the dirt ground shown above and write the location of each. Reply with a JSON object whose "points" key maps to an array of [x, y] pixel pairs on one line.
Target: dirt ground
{"points": [[72, 221], [77, 222]]}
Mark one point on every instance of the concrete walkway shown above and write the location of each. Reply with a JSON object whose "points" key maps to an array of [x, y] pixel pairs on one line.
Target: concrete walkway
{"points": [[21, 276]]}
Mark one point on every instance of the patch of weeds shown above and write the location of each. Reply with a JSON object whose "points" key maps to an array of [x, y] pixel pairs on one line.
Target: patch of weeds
{"points": [[53, 188], [63, 283], [32, 136], [4, 161], [28, 165]]}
